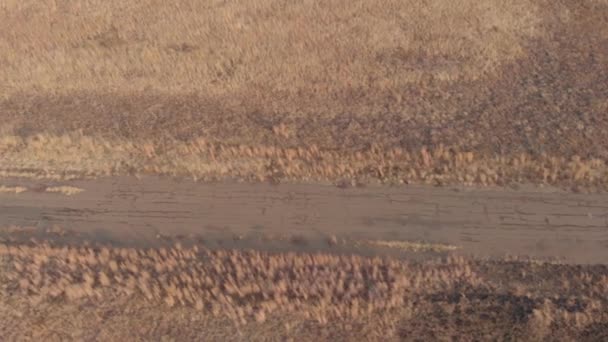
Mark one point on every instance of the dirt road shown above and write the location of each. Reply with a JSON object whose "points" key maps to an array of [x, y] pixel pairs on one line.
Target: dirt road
{"points": [[483, 222]]}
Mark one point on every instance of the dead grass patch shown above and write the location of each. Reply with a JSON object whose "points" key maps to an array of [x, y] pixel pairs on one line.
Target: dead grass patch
{"points": [[64, 190], [12, 189], [188, 293], [414, 246], [245, 47], [243, 286], [76, 155]]}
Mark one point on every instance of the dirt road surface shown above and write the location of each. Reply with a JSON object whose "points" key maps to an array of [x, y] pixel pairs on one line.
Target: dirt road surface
{"points": [[539, 223]]}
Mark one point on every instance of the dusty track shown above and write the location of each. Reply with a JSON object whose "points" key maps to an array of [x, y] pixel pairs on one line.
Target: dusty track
{"points": [[482, 222]]}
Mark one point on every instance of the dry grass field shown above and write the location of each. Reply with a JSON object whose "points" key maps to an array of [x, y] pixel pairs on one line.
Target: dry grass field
{"points": [[52, 292], [131, 88], [441, 92], [265, 49]]}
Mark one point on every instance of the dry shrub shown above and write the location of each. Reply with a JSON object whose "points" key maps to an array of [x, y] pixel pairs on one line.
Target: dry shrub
{"points": [[305, 294], [242, 285]]}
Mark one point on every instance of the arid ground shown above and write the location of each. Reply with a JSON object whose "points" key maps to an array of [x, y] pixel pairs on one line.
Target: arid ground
{"points": [[314, 170]]}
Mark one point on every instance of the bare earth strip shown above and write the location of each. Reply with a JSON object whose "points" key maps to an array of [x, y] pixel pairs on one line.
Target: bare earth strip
{"points": [[483, 222]]}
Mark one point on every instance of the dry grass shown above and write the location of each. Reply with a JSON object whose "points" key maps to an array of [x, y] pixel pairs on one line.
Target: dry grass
{"points": [[12, 189], [244, 286], [71, 156], [108, 293], [414, 246], [64, 190], [352, 83], [253, 47]]}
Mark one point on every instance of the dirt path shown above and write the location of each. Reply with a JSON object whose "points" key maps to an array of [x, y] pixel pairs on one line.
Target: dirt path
{"points": [[484, 222]]}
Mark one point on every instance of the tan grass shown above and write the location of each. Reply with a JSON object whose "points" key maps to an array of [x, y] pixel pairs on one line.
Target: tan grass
{"points": [[12, 189], [192, 293], [246, 285], [64, 190], [250, 59], [74, 155], [244, 47], [414, 246], [280, 58]]}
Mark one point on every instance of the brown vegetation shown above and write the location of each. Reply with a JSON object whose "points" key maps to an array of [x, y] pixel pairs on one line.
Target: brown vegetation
{"points": [[440, 92], [12, 189], [254, 47], [115, 88], [322, 295], [200, 159]]}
